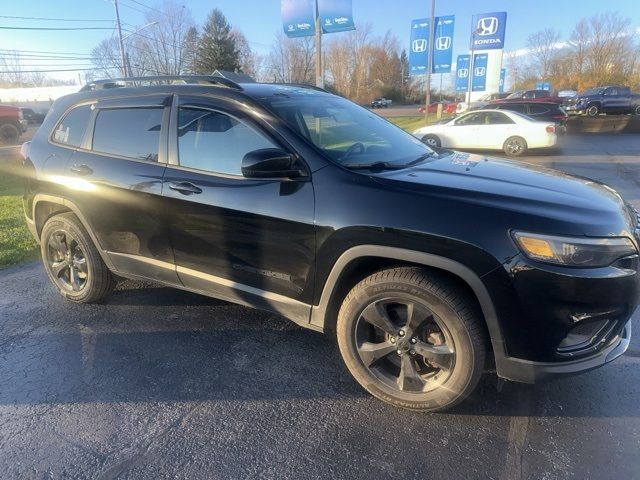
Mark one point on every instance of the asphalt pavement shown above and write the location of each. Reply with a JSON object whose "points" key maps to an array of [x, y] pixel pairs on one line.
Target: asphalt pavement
{"points": [[159, 383]]}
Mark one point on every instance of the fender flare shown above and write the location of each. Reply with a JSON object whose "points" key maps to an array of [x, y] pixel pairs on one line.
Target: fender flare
{"points": [[319, 312], [42, 197]]}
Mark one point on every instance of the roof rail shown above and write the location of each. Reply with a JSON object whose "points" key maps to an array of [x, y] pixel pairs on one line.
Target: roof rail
{"points": [[159, 79], [303, 85]]}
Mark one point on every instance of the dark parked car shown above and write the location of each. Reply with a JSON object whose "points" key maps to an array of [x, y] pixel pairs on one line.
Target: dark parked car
{"points": [[610, 99], [542, 111], [32, 117], [426, 266], [380, 103], [530, 95]]}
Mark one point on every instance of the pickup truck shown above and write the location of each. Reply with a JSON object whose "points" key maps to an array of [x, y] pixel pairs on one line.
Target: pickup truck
{"points": [[381, 103], [607, 99], [12, 124]]}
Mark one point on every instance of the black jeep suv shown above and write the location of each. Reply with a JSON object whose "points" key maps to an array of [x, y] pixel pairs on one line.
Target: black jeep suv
{"points": [[426, 265]]}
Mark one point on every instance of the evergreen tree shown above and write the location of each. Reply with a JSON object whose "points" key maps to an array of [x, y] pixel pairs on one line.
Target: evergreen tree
{"points": [[216, 46]]}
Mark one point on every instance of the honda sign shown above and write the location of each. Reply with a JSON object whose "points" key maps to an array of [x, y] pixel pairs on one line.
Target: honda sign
{"points": [[419, 52], [443, 44], [488, 30], [462, 73], [479, 80], [419, 45]]}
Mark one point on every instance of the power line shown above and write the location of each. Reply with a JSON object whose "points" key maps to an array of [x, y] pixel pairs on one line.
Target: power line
{"points": [[57, 19], [41, 51], [51, 71], [143, 5], [55, 28]]}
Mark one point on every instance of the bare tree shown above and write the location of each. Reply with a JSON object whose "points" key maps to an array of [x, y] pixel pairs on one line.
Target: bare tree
{"points": [[291, 60], [543, 46], [249, 60]]}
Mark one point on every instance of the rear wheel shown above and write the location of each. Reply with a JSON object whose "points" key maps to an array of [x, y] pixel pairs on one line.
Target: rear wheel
{"points": [[72, 262], [9, 134], [637, 110], [593, 110], [432, 141], [514, 146], [412, 339]]}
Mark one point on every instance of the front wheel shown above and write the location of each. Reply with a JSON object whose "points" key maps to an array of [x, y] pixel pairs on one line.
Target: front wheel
{"points": [[72, 262], [593, 110], [412, 338], [514, 146]]}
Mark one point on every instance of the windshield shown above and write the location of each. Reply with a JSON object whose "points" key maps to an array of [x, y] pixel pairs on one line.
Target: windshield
{"points": [[348, 134], [593, 91]]}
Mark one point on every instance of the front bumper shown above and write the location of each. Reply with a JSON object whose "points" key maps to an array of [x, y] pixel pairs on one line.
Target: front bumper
{"points": [[525, 371]]}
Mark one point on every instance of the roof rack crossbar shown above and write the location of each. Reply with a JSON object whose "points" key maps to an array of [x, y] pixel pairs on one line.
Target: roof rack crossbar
{"points": [[194, 79]]}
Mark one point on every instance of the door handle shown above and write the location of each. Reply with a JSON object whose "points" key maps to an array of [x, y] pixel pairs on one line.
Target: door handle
{"points": [[82, 169], [185, 188]]}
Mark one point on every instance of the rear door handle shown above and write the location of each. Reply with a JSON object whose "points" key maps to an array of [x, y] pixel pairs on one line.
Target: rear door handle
{"points": [[185, 188], [82, 169]]}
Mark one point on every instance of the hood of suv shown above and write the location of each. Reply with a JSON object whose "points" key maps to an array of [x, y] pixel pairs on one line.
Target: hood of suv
{"points": [[575, 205]]}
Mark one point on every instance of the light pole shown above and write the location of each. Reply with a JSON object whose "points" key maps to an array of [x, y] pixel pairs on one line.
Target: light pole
{"points": [[123, 59], [430, 59], [471, 62]]}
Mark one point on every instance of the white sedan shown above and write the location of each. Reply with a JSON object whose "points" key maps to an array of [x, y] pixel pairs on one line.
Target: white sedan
{"points": [[511, 132]]}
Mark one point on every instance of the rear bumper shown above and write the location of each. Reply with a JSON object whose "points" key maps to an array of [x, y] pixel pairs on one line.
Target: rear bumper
{"points": [[526, 371]]}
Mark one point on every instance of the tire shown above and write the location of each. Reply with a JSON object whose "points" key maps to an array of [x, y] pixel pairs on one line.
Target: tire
{"points": [[9, 134], [636, 111], [593, 110], [514, 146], [72, 262], [442, 351], [432, 141]]}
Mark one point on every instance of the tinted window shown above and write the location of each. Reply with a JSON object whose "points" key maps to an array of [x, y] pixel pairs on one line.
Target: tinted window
{"points": [[472, 119], [128, 132], [215, 142], [513, 108], [496, 118], [72, 127], [538, 109], [611, 91]]}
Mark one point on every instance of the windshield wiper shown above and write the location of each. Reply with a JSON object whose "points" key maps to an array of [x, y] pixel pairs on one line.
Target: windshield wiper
{"points": [[420, 159], [373, 166]]}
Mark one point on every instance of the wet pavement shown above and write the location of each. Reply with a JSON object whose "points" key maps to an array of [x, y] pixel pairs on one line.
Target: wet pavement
{"points": [[158, 383]]}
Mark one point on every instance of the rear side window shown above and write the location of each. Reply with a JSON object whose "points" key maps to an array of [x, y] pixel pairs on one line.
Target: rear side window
{"points": [[538, 109], [514, 108], [72, 127], [128, 132]]}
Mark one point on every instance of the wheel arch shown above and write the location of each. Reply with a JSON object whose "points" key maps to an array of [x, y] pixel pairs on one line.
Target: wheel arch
{"points": [[46, 206], [358, 262]]}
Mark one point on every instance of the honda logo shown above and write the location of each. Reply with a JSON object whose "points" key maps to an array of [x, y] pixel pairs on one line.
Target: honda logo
{"points": [[419, 45], [463, 72], [479, 71], [487, 26], [443, 43]]}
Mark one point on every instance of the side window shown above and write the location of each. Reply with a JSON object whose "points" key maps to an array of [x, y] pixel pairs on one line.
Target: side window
{"points": [[516, 108], [215, 142], [529, 94], [471, 119], [72, 127], [538, 109], [128, 132], [611, 91], [496, 118]]}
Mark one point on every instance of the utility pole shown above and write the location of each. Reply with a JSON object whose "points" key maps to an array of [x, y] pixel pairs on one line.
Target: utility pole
{"points": [[123, 58], [319, 72], [471, 66], [432, 26]]}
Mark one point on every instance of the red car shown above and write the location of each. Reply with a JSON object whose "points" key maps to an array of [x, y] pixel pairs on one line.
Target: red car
{"points": [[447, 107], [12, 124], [530, 96]]}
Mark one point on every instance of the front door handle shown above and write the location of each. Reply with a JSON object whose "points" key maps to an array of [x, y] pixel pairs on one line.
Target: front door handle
{"points": [[185, 188], [82, 169]]}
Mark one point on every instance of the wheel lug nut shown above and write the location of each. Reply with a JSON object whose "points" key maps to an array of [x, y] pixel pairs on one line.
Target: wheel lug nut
{"points": [[399, 352], [412, 352], [392, 340], [401, 333], [414, 340]]}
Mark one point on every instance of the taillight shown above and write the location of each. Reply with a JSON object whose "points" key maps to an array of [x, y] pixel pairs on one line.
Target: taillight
{"points": [[24, 150], [550, 129]]}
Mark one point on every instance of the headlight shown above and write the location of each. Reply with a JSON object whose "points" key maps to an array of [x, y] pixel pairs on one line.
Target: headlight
{"points": [[574, 251]]}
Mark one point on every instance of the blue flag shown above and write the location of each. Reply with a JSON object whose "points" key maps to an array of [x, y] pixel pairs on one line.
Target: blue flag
{"points": [[443, 44], [298, 17], [336, 15], [479, 80], [462, 73]]}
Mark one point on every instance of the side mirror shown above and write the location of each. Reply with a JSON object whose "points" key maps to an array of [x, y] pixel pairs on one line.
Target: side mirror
{"points": [[270, 163]]}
